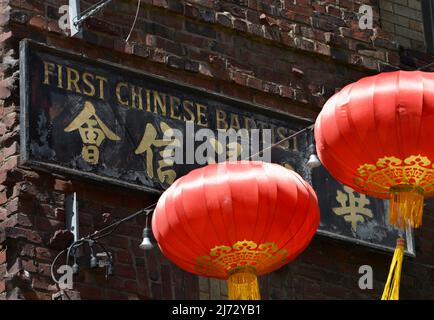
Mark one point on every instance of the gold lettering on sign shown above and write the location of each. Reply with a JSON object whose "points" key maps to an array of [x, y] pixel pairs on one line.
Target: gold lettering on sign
{"points": [[221, 119], [102, 82], [72, 77], [174, 107], [235, 122], [148, 100], [187, 104], [75, 81], [48, 71], [352, 207], [87, 79], [59, 76], [119, 95], [150, 140], [136, 95], [159, 102], [282, 134], [249, 123], [233, 150], [201, 115], [92, 132]]}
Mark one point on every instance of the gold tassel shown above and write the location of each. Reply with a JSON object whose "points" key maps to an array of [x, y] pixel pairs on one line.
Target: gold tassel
{"points": [[406, 204], [391, 289], [243, 285]]}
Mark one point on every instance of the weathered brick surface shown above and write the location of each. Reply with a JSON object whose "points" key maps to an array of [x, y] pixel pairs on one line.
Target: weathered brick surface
{"points": [[403, 19], [288, 55]]}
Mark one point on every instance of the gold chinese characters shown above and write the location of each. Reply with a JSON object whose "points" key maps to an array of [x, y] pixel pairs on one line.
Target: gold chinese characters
{"points": [[92, 132], [352, 207], [150, 140]]}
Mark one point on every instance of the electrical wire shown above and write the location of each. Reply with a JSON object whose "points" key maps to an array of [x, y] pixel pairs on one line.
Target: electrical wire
{"points": [[104, 232], [113, 226], [281, 141], [53, 264], [426, 66], [135, 20], [100, 233], [91, 11]]}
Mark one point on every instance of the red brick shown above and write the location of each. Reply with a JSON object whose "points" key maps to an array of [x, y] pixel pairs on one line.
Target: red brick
{"points": [[156, 291], [5, 92], [10, 163], [166, 282], [45, 254], [131, 286], [88, 291], [19, 233], [3, 214], [160, 3], [44, 224], [38, 22], [116, 295], [3, 197], [123, 256], [5, 36], [62, 185], [28, 250], [125, 271], [2, 256], [26, 264], [12, 206]]}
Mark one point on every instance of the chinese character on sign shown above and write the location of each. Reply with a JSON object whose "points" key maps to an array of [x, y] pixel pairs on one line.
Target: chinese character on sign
{"points": [[233, 150], [352, 207], [149, 140], [92, 132]]}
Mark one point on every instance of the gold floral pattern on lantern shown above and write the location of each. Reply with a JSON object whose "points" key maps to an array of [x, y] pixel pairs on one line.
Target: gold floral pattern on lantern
{"points": [[223, 260], [388, 172]]}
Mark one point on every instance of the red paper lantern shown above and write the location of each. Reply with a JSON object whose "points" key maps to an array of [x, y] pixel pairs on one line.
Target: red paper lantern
{"points": [[236, 220], [376, 136]]}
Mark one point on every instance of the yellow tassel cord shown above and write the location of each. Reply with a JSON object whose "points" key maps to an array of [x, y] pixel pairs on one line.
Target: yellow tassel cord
{"points": [[391, 289], [406, 204], [243, 285]]}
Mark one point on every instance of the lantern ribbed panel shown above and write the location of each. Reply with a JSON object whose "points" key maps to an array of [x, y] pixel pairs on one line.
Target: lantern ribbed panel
{"points": [[222, 204]]}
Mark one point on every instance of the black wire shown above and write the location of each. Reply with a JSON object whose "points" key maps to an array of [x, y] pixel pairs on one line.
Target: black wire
{"points": [[426, 66], [148, 210], [281, 141], [114, 225]]}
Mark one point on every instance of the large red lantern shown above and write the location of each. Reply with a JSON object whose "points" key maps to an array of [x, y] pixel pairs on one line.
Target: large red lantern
{"points": [[376, 136], [236, 221]]}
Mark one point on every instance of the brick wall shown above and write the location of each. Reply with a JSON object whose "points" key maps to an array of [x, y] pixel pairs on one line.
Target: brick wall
{"points": [[403, 18], [287, 55]]}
